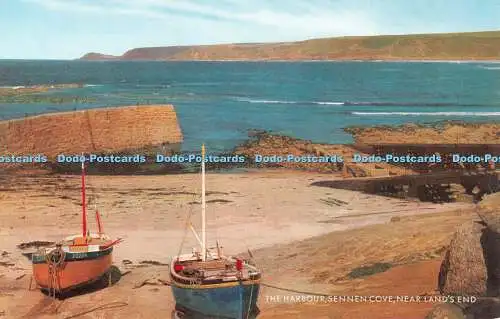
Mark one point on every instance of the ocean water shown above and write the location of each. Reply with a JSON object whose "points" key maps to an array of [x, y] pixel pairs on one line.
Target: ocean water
{"points": [[219, 102]]}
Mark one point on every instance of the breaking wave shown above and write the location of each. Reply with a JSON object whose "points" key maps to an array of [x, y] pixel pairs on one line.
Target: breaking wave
{"points": [[351, 103], [15, 87], [288, 102], [329, 103], [12, 87], [489, 67], [266, 101], [428, 113]]}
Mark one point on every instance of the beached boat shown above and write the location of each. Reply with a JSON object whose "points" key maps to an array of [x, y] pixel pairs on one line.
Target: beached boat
{"points": [[208, 284], [77, 260]]}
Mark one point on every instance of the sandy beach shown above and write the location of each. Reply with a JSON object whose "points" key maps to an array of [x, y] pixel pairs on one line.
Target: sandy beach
{"points": [[268, 212]]}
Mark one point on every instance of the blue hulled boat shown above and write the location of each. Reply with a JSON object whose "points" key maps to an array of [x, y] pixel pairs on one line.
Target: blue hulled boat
{"points": [[208, 284], [223, 297]]}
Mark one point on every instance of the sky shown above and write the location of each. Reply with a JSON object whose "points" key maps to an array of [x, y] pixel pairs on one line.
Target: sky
{"points": [[67, 29]]}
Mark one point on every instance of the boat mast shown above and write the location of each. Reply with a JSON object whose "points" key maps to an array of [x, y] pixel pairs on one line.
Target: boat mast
{"points": [[84, 207], [203, 204], [98, 220]]}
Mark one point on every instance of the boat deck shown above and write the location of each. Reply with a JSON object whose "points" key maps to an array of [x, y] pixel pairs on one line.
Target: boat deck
{"points": [[210, 271], [82, 242]]}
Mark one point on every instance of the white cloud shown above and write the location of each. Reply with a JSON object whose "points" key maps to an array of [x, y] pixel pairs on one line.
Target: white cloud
{"points": [[312, 19], [58, 5], [95, 7]]}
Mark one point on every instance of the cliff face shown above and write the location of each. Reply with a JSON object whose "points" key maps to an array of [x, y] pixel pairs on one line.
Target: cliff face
{"points": [[452, 46], [158, 53], [91, 131]]}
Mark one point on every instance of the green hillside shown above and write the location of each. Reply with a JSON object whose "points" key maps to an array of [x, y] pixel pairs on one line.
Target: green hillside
{"points": [[447, 46]]}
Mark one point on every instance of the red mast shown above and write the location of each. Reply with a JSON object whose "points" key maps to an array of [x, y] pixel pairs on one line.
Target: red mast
{"points": [[98, 220], [84, 207]]}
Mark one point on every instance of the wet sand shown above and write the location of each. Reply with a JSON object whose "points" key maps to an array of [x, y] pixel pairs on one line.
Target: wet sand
{"points": [[245, 211]]}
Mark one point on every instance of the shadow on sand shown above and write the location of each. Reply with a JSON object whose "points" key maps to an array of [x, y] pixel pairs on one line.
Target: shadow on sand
{"points": [[112, 276], [50, 306], [351, 184], [180, 313]]}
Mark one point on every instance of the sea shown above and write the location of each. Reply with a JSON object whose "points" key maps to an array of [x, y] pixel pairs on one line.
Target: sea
{"points": [[219, 103]]}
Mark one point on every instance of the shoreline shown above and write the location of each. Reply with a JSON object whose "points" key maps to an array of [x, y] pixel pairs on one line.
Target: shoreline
{"points": [[305, 60], [275, 60]]}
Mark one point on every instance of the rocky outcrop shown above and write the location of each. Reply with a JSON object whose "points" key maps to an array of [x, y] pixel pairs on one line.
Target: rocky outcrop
{"points": [[489, 212], [24, 90], [437, 133], [446, 311], [33, 94], [472, 262], [300, 155], [463, 271], [104, 130], [483, 309]]}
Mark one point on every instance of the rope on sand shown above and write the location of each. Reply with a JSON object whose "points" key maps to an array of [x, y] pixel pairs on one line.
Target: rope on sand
{"points": [[167, 283], [295, 291], [110, 305]]}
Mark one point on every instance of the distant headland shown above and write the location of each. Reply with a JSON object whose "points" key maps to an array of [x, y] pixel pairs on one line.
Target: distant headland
{"points": [[481, 46]]}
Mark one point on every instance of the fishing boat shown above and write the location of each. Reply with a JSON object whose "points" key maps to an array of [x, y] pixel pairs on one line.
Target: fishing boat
{"points": [[77, 260], [208, 284]]}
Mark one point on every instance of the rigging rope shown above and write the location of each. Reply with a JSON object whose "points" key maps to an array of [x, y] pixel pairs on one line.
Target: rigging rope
{"points": [[296, 291], [188, 221], [110, 305], [168, 283], [282, 288]]}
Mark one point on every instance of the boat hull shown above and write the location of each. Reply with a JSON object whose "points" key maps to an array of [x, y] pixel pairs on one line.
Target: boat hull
{"points": [[78, 269], [224, 300]]}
